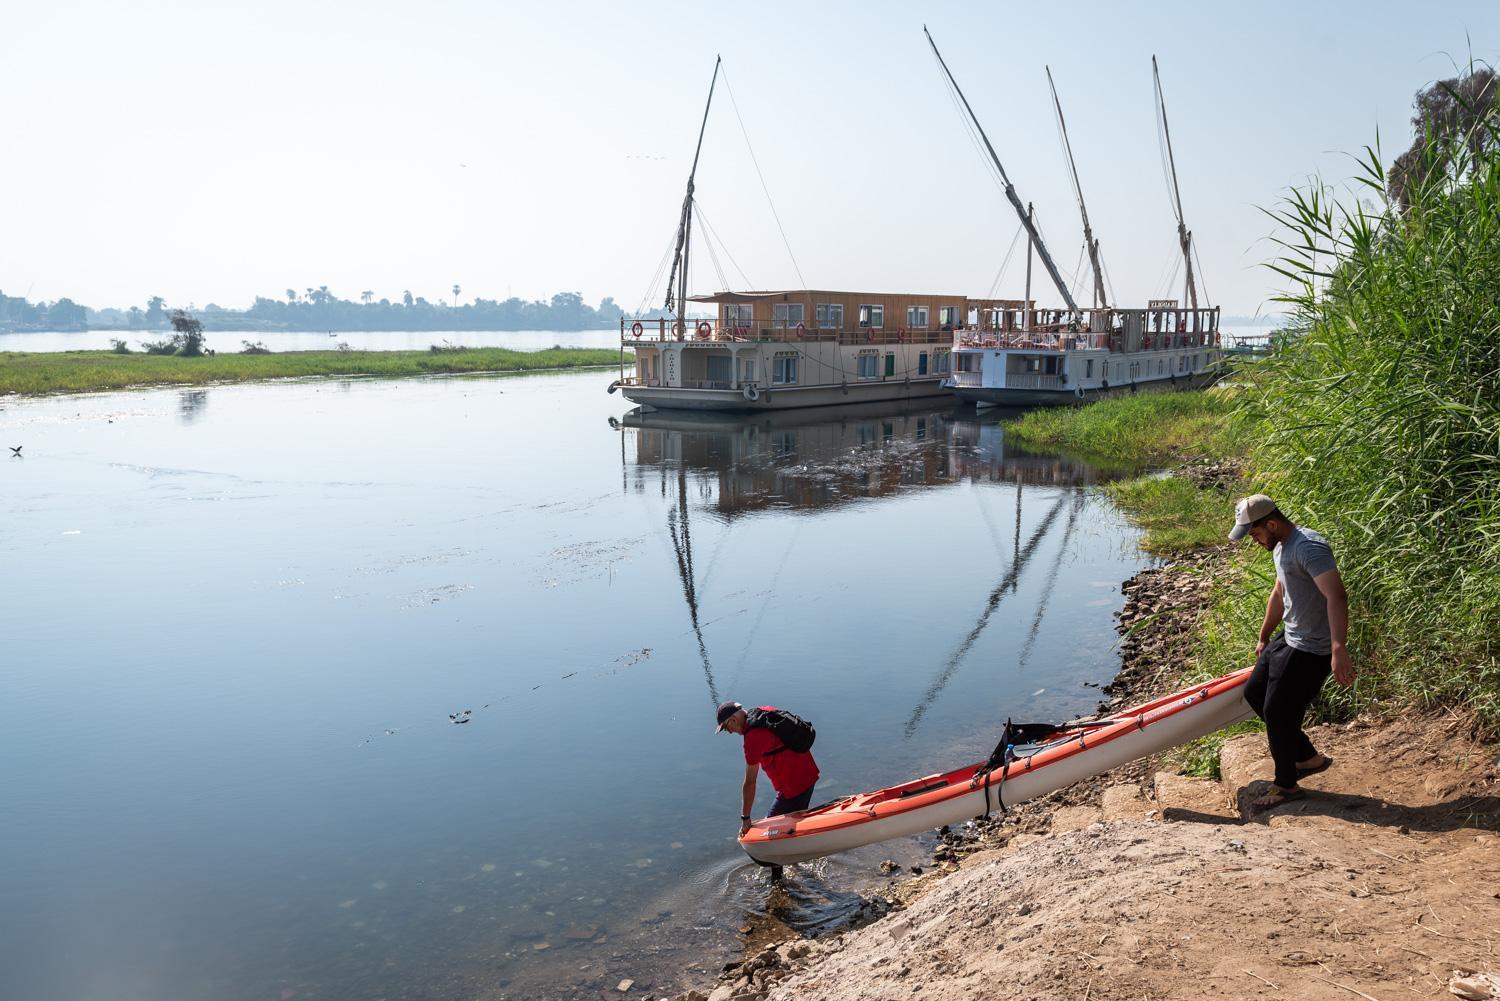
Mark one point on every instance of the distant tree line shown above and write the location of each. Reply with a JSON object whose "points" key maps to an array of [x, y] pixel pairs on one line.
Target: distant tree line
{"points": [[320, 309]]}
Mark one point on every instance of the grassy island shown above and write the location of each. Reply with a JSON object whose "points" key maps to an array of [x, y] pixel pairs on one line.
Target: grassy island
{"points": [[97, 371]]}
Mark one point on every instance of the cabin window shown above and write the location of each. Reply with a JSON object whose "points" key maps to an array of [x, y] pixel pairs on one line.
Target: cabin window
{"points": [[784, 368], [890, 365], [872, 316], [922, 363], [747, 369], [720, 369], [1088, 369], [787, 314], [830, 316], [968, 362], [869, 362], [1049, 366], [916, 317], [738, 314], [1031, 364], [941, 361], [948, 317]]}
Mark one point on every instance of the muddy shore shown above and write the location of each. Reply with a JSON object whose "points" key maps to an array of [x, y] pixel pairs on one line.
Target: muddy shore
{"points": [[1146, 883]]}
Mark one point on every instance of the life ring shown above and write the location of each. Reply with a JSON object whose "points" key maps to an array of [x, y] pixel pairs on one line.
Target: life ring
{"points": [[901, 334], [1078, 392], [751, 392], [636, 329], [678, 328], [1146, 341], [870, 335], [705, 330], [801, 331]]}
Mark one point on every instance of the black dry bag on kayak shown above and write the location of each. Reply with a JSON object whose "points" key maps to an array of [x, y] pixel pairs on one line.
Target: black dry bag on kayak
{"points": [[794, 732]]}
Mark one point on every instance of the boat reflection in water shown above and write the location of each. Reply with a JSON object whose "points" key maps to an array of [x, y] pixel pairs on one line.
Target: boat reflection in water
{"points": [[814, 459]]}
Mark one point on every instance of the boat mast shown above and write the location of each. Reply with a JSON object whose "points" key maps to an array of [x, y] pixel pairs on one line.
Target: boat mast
{"points": [[1026, 316], [1010, 190], [1088, 231], [685, 223], [1184, 235]]}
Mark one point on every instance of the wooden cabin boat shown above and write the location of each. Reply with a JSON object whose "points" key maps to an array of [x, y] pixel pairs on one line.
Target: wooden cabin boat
{"points": [[804, 348]]}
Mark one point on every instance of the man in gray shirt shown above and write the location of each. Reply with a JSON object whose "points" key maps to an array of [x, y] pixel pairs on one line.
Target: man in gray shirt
{"points": [[1310, 603]]}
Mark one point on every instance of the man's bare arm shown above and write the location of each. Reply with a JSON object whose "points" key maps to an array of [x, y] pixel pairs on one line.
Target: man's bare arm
{"points": [[1332, 586], [1275, 607]]}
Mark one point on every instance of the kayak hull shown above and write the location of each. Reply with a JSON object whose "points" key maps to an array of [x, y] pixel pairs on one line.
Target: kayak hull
{"points": [[956, 796]]}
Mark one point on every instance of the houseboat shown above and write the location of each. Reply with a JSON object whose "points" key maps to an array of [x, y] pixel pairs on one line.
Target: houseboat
{"points": [[806, 348], [1053, 357]]}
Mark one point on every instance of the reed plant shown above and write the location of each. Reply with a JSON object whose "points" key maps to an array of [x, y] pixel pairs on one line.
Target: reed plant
{"points": [[1148, 430], [1378, 424]]}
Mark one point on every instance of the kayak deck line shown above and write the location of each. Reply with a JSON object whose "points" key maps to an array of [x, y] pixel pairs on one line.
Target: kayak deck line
{"points": [[1085, 749]]}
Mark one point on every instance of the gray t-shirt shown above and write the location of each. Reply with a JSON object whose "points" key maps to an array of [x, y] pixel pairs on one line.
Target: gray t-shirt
{"points": [[1304, 555]]}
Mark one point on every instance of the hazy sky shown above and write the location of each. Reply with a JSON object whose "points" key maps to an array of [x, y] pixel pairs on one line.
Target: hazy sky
{"points": [[212, 152]]}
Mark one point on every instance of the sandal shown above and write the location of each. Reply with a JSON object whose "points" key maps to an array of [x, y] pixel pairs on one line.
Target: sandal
{"points": [[1276, 798], [1303, 773]]}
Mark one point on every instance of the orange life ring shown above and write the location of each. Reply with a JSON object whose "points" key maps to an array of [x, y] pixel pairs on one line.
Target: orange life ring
{"points": [[1146, 341], [677, 328], [901, 334], [636, 329], [705, 331], [801, 331], [870, 335]]}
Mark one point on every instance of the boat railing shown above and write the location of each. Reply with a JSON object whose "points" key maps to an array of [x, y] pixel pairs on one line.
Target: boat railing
{"points": [[666, 331], [1033, 380], [965, 380]]}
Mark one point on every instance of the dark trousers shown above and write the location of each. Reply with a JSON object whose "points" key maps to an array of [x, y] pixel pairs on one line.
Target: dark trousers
{"points": [[1284, 683], [791, 804]]}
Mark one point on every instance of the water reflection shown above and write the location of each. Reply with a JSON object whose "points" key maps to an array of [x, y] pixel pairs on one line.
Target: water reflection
{"points": [[809, 460], [191, 404]]}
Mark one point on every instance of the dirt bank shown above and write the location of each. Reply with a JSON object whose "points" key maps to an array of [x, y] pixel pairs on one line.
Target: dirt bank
{"points": [[1145, 883]]}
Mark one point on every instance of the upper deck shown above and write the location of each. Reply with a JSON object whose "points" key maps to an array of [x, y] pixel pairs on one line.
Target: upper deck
{"points": [[861, 318]]}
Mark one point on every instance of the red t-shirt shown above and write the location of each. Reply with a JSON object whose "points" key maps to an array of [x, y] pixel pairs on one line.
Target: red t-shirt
{"points": [[791, 773]]}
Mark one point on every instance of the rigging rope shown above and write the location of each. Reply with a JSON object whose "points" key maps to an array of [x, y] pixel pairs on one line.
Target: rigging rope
{"points": [[999, 275], [743, 131], [703, 217], [1198, 275], [661, 267], [712, 256]]}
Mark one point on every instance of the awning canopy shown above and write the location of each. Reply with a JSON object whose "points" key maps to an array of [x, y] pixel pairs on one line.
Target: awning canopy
{"points": [[734, 296]]}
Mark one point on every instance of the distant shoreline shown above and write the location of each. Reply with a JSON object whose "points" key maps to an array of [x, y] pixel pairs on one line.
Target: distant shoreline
{"points": [[26, 373]]}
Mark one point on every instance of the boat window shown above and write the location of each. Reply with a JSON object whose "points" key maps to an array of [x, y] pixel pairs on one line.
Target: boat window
{"points": [[1050, 366], [830, 316], [1088, 369], [1031, 364], [868, 365], [968, 362], [747, 369], [784, 368], [787, 314], [942, 361], [948, 317], [737, 314], [872, 316], [922, 363], [916, 317], [890, 365]]}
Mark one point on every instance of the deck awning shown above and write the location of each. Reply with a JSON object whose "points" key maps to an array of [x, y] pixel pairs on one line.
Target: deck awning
{"points": [[722, 297]]}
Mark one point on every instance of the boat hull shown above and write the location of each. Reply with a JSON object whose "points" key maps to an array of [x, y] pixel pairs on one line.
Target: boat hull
{"points": [[1073, 397], [784, 398], [954, 797]]}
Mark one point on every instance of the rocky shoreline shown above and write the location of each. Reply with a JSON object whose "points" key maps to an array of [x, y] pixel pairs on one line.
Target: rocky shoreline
{"points": [[1143, 882]]}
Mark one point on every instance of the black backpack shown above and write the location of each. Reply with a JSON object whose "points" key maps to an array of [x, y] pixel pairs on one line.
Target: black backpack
{"points": [[794, 732]]}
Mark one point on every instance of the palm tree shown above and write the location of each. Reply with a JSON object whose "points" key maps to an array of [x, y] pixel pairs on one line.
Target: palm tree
{"points": [[366, 296], [456, 290], [291, 295]]}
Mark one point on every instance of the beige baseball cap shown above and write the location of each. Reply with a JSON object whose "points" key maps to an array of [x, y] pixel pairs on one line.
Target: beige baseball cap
{"points": [[1247, 512]]}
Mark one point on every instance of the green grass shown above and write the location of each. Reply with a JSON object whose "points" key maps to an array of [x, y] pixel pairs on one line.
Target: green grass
{"points": [[1143, 431], [1176, 514], [94, 371]]}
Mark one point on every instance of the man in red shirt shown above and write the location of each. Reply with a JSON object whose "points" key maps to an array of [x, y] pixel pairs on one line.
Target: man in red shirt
{"points": [[793, 774]]}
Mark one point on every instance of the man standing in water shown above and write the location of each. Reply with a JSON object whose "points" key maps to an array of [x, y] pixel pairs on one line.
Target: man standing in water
{"points": [[793, 773], [1309, 601]]}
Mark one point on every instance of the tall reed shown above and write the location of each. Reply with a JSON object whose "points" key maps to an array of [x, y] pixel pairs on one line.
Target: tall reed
{"points": [[1379, 423]]}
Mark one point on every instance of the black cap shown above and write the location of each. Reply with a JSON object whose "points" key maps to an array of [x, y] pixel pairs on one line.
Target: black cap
{"points": [[726, 710]]}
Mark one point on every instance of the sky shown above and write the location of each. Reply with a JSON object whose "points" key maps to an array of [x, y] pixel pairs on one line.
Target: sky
{"points": [[211, 152]]}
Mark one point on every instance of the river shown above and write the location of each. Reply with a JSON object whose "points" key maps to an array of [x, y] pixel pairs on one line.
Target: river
{"points": [[237, 620]]}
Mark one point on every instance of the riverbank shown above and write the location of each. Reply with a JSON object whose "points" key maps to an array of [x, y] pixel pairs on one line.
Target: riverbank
{"points": [[37, 373], [1155, 880]]}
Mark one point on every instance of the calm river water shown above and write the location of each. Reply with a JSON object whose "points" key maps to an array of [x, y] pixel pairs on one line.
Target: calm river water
{"points": [[236, 620]]}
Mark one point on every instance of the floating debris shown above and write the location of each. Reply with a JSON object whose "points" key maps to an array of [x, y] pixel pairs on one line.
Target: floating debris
{"points": [[462, 717], [487, 867]]}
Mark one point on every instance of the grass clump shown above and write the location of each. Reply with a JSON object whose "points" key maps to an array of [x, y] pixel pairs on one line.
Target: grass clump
{"points": [[1177, 515], [96, 371], [1140, 431]]}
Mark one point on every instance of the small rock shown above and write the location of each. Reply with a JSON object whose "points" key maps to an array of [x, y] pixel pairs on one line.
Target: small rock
{"points": [[889, 866], [1475, 986], [625, 985]]}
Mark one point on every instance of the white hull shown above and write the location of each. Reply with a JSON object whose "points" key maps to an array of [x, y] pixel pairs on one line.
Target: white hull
{"points": [[775, 841]]}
